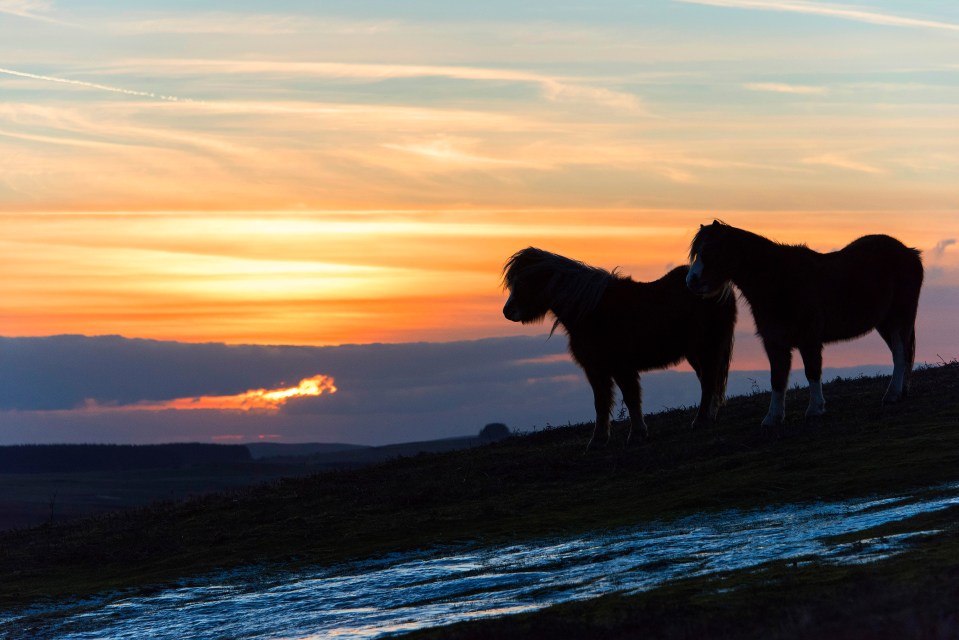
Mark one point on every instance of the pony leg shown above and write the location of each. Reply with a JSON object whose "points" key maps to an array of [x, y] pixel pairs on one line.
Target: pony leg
{"points": [[812, 362], [711, 361], [710, 398], [780, 360], [702, 414], [628, 384], [708, 403], [910, 349], [602, 386], [897, 346]]}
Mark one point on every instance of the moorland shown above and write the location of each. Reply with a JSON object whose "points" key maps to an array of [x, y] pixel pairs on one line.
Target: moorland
{"points": [[543, 484]]}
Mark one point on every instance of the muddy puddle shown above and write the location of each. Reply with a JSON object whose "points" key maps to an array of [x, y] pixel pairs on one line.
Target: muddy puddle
{"points": [[402, 592]]}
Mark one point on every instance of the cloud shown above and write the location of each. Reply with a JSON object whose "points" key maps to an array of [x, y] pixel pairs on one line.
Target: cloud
{"points": [[940, 248], [385, 392], [776, 87], [829, 10], [553, 88], [841, 162], [68, 372], [269, 400], [33, 9], [564, 91], [458, 153], [211, 23]]}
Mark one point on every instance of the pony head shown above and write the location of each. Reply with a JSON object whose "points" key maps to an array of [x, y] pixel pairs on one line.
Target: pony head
{"points": [[540, 282], [710, 265], [527, 280]]}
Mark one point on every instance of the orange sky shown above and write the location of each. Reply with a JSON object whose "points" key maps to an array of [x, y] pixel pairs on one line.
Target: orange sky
{"points": [[344, 277]]}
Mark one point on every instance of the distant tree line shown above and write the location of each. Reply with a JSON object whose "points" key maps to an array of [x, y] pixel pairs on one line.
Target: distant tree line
{"points": [[54, 458]]}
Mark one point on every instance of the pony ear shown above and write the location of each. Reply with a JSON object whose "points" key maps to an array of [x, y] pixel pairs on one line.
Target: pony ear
{"points": [[716, 223], [702, 226]]}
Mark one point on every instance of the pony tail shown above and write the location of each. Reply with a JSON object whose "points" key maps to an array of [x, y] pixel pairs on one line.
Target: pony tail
{"points": [[725, 325], [912, 345]]}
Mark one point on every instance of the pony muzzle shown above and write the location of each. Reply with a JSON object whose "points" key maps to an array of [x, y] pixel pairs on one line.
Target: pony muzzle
{"points": [[695, 284]]}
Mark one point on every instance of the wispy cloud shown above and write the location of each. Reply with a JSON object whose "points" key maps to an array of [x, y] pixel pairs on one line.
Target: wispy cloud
{"points": [[778, 87], [842, 162], [553, 88], [564, 91], [33, 9], [941, 246], [830, 10], [89, 85], [458, 153], [234, 23]]}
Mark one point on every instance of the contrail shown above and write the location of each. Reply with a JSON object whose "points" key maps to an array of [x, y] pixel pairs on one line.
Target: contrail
{"points": [[23, 11], [91, 85], [836, 11]]}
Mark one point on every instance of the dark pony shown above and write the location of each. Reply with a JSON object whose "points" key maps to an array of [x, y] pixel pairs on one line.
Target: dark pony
{"points": [[801, 299], [618, 327]]}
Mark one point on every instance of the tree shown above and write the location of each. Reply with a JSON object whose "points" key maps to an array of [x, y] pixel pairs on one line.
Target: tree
{"points": [[494, 431]]}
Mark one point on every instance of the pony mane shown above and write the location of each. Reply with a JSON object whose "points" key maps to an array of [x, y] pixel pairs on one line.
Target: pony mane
{"points": [[704, 229], [573, 288], [719, 226]]}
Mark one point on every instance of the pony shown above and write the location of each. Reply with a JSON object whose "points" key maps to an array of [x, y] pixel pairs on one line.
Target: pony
{"points": [[618, 328], [803, 299]]}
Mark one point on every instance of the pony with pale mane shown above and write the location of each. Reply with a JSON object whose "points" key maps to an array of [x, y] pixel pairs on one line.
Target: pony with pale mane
{"points": [[618, 328], [803, 299]]}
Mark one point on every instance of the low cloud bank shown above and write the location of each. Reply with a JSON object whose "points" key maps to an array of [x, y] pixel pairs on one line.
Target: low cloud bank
{"points": [[56, 389]]}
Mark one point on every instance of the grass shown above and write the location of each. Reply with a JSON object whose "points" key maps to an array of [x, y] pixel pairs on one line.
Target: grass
{"points": [[540, 484], [30, 499]]}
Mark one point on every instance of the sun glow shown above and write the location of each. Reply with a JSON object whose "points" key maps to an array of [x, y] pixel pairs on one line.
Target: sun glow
{"points": [[337, 277], [256, 399], [269, 400]]}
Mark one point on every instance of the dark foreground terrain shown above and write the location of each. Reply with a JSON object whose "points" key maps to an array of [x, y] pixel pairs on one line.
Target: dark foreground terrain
{"points": [[51, 484], [542, 484]]}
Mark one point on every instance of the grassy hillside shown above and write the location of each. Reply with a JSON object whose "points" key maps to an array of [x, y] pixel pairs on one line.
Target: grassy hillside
{"points": [[533, 485], [46, 486], [32, 499]]}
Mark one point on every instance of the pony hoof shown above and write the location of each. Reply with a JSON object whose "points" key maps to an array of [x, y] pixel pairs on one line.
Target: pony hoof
{"points": [[773, 421], [594, 444], [643, 432], [891, 398]]}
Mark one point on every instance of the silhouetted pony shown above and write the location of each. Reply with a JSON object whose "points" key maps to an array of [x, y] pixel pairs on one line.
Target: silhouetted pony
{"points": [[801, 298], [618, 327]]}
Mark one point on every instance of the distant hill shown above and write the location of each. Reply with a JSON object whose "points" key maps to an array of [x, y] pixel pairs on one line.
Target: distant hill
{"points": [[327, 456], [71, 458], [264, 450]]}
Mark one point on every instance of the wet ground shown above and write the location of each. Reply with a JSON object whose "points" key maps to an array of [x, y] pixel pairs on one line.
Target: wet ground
{"points": [[402, 592]]}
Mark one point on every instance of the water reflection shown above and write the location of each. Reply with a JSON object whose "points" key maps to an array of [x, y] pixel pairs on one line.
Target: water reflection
{"points": [[402, 592]]}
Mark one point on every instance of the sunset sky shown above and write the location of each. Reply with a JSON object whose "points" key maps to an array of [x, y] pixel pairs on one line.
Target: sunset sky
{"points": [[319, 174]]}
